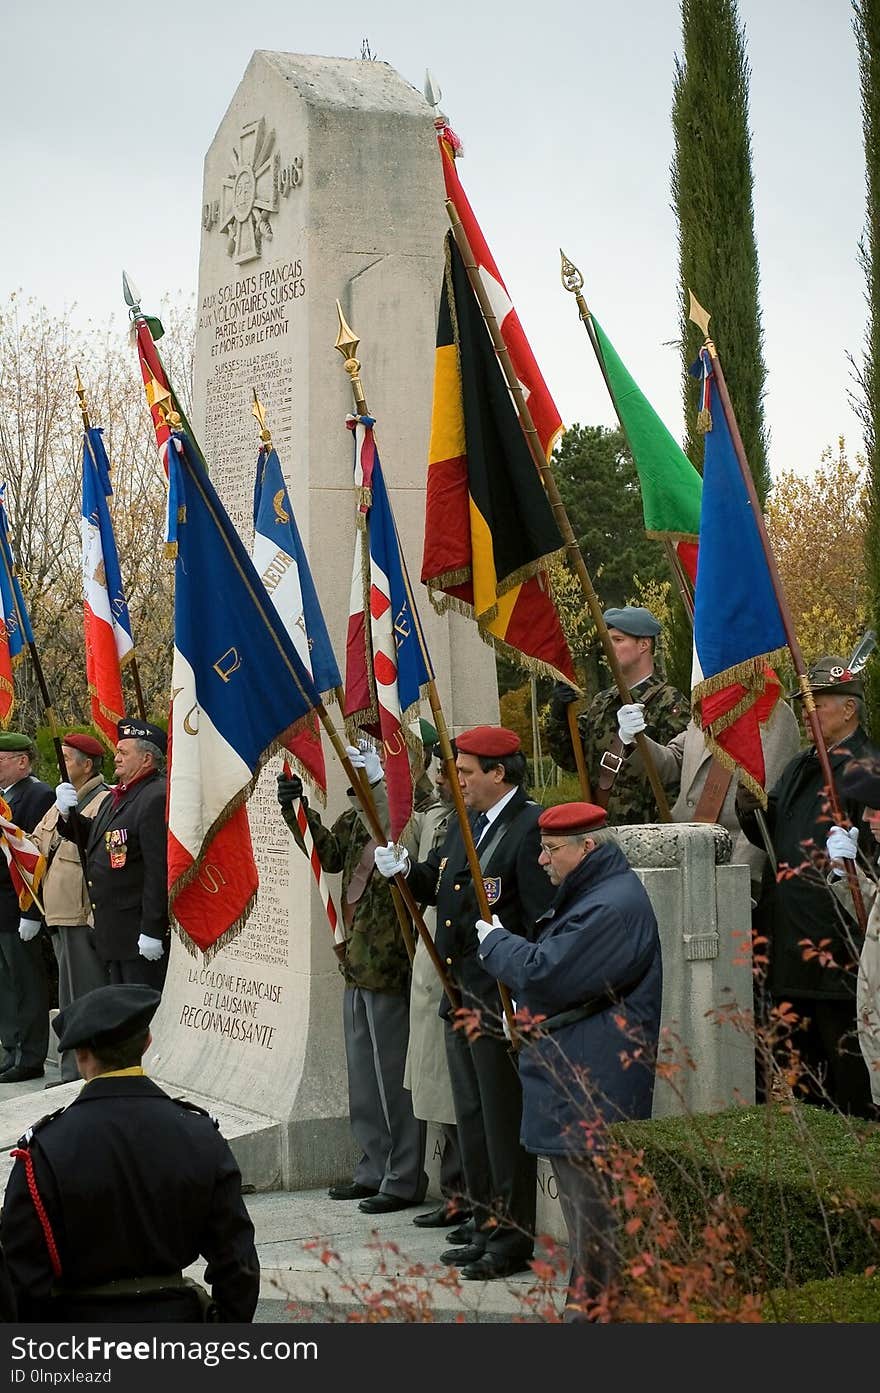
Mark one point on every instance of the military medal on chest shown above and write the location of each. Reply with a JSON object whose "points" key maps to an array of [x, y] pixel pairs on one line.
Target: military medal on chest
{"points": [[115, 841]]}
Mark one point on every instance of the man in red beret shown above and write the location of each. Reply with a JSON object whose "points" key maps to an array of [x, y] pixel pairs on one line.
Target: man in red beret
{"points": [[64, 891], [594, 973], [500, 1176]]}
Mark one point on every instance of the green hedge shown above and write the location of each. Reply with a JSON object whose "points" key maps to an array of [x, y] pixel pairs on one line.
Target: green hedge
{"points": [[839, 1300], [808, 1179]]}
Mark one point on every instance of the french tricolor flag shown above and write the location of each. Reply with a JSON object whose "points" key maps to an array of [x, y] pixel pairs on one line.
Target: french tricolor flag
{"points": [[105, 612], [13, 634]]}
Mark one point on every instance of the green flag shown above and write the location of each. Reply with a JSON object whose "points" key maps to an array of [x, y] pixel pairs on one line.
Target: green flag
{"points": [[671, 486]]}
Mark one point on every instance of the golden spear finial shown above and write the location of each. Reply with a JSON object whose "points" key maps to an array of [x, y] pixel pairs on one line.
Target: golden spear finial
{"points": [[574, 281], [697, 315], [259, 412], [81, 393], [347, 343]]}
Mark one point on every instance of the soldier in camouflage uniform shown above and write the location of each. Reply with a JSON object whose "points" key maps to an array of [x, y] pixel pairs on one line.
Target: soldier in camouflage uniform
{"points": [[390, 1173], [614, 784]]}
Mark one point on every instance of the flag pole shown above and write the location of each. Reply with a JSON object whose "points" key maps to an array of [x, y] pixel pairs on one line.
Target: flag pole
{"points": [[347, 343], [132, 660], [701, 318], [573, 551]]}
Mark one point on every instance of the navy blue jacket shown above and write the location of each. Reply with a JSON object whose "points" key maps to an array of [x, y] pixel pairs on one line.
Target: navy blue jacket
{"points": [[599, 934]]}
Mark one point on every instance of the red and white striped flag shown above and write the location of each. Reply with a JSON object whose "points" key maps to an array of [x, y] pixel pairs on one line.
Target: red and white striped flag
{"points": [[25, 860]]}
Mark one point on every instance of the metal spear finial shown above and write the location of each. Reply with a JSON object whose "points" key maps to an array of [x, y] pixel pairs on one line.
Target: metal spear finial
{"points": [[258, 411], [697, 315], [347, 343], [131, 295], [574, 281], [432, 90], [81, 393]]}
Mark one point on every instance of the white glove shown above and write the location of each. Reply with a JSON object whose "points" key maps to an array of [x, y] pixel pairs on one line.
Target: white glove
{"points": [[484, 929], [28, 929], [66, 797], [391, 860], [631, 721], [842, 845], [367, 760], [150, 948]]}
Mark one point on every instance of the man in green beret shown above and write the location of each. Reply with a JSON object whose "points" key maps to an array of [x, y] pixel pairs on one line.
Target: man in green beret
{"points": [[616, 782], [24, 986]]}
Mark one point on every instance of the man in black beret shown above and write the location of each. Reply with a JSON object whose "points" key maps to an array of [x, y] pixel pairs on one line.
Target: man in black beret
{"points": [[127, 857], [133, 1187], [814, 942], [24, 986]]}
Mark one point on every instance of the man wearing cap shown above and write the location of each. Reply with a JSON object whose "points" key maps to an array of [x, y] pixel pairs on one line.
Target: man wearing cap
{"points": [[801, 911], [63, 890], [24, 987], [112, 1197], [594, 974], [126, 857], [390, 1173], [616, 784], [499, 1174]]}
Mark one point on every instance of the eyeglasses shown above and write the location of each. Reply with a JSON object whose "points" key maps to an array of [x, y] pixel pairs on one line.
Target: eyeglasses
{"points": [[552, 850]]}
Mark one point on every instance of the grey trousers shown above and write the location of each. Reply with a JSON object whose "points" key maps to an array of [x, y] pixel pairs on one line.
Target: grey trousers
{"points": [[585, 1200], [392, 1140], [80, 970], [24, 1002]]}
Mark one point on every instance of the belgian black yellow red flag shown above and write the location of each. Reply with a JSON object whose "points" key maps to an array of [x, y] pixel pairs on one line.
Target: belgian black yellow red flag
{"points": [[490, 533]]}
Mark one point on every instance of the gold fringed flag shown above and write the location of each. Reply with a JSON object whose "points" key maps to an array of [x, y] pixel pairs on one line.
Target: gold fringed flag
{"points": [[490, 533]]}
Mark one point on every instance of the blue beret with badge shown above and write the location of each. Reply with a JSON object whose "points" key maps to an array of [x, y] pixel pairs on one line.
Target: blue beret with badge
{"points": [[634, 620]]}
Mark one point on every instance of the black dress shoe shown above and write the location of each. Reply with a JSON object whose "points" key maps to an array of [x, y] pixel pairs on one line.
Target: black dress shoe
{"points": [[19, 1072], [459, 1257], [352, 1191], [441, 1217], [385, 1204], [485, 1268], [464, 1234]]}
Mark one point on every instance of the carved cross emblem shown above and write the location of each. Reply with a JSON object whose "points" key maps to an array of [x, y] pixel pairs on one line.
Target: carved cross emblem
{"points": [[250, 192]]}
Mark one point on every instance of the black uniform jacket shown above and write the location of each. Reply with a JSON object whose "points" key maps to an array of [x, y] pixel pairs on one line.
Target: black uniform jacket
{"points": [[28, 799], [127, 857], [802, 906], [517, 888], [135, 1184]]}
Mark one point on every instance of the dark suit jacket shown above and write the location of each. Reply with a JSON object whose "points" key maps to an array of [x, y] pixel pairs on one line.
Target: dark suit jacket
{"points": [[131, 897], [135, 1184], [517, 888], [28, 799]]}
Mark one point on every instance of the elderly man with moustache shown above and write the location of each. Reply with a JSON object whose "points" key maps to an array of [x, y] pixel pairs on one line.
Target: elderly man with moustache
{"points": [[593, 977]]}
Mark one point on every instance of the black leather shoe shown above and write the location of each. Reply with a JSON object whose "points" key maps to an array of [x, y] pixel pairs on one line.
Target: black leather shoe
{"points": [[385, 1204], [20, 1072], [352, 1191], [441, 1217], [464, 1234], [487, 1267], [458, 1257]]}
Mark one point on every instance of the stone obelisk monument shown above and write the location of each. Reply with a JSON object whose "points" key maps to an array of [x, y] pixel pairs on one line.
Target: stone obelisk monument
{"points": [[323, 182]]}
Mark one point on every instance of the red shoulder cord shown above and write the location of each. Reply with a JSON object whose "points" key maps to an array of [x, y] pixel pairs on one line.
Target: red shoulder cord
{"points": [[22, 1154]]}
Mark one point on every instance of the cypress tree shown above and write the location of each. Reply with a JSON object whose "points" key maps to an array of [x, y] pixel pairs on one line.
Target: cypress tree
{"points": [[712, 190], [866, 24]]}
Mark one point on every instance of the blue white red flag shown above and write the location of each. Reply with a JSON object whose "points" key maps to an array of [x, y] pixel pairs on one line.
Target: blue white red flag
{"points": [[387, 663], [280, 558], [107, 626], [737, 621], [15, 624], [239, 692]]}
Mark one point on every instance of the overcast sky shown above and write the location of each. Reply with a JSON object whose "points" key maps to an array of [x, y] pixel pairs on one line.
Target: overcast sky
{"points": [[108, 107]]}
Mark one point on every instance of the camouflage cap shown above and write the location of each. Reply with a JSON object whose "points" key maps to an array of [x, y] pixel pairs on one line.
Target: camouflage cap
{"points": [[831, 674]]}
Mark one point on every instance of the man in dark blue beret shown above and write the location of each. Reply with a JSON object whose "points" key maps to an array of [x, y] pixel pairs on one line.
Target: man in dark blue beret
{"points": [[127, 857], [133, 1187], [617, 784]]}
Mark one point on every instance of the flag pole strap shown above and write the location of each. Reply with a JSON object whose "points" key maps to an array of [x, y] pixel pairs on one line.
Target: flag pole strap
{"points": [[573, 551], [701, 318]]}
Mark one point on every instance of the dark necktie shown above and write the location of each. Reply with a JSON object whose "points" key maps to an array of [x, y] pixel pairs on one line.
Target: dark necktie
{"points": [[480, 823]]}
